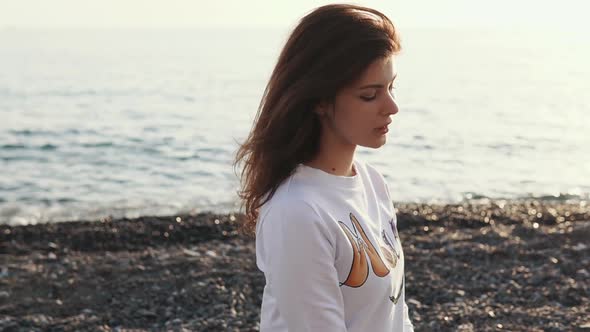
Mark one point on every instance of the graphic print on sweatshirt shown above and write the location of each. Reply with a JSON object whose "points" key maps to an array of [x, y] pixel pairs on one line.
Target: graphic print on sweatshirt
{"points": [[364, 251]]}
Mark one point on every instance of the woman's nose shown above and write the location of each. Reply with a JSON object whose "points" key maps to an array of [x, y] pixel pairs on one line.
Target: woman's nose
{"points": [[390, 106]]}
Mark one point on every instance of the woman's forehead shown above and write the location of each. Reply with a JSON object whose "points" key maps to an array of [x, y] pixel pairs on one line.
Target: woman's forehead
{"points": [[380, 71]]}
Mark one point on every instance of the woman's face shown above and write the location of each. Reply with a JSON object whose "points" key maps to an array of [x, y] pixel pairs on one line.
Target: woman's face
{"points": [[362, 110]]}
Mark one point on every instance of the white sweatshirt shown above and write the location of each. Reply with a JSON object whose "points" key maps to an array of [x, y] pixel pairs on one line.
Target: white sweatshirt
{"points": [[331, 255]]}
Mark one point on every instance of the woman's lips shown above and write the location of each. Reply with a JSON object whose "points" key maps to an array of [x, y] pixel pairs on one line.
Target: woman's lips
{"points": [[382, 130]]}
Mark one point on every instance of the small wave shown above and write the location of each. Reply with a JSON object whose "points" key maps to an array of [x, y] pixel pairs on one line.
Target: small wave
{"points": [[473, 196], [12, 146], [33, 132], [150, 150], [52, 133], [173, 176], [97, 145], [416, 146], [509, 147], [25, 158], [210, 150], [46, 201], [77, 131], [66, 200], [561, 197], [187, 157], [135, 139], [48, 147], [43, 147]]}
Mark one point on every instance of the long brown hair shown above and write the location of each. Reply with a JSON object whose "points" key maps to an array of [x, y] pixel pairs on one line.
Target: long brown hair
{"points": [[328, 49]]}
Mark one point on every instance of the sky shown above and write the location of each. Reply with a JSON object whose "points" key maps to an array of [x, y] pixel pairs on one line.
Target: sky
{"points": [[531, 14]]}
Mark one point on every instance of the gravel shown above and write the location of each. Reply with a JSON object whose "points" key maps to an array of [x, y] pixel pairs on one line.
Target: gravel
{"points": [[475, 266]]}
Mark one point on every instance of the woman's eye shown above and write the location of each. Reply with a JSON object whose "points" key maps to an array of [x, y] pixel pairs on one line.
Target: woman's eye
{"points": [[368, 98]]}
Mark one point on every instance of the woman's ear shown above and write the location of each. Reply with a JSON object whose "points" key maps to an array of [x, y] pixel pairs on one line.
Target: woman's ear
{"points": [[322, 107]]}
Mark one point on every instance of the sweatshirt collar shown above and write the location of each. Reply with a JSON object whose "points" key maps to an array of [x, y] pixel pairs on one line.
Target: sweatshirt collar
{"points": [[321, 178]]}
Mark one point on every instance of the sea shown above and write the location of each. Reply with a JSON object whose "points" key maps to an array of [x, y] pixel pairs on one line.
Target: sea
{"points": [[99, 123]]}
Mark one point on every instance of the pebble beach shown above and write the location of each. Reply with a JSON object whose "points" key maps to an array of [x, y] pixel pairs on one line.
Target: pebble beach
{"points": [[474, 266]]}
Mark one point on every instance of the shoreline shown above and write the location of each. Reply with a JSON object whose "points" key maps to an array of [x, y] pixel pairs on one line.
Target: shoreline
{"points": [[93, 214], [512, 265]]}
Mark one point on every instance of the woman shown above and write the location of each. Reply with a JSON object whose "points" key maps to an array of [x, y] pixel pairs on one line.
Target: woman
{"points": [[326, 236]]}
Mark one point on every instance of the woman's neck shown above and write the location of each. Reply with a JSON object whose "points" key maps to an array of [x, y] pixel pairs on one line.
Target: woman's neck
{"points": [[336, 162]]}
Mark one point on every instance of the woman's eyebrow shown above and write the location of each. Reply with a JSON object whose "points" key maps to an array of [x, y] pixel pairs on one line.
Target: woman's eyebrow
{"points": [[376, 86]]}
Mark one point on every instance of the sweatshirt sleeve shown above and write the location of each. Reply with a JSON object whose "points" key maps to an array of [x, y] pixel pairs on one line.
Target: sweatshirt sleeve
{"points": [[408, 326], [299, 268]]}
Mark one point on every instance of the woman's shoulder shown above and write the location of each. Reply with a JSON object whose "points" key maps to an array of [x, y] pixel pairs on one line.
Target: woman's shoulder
{"points": [[290, 200], [377, 179], [290, 215], [367, 166], [372, 172]]}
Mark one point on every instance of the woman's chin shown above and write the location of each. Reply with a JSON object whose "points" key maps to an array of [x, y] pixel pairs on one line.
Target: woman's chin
{"points": [[376, 143]]}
